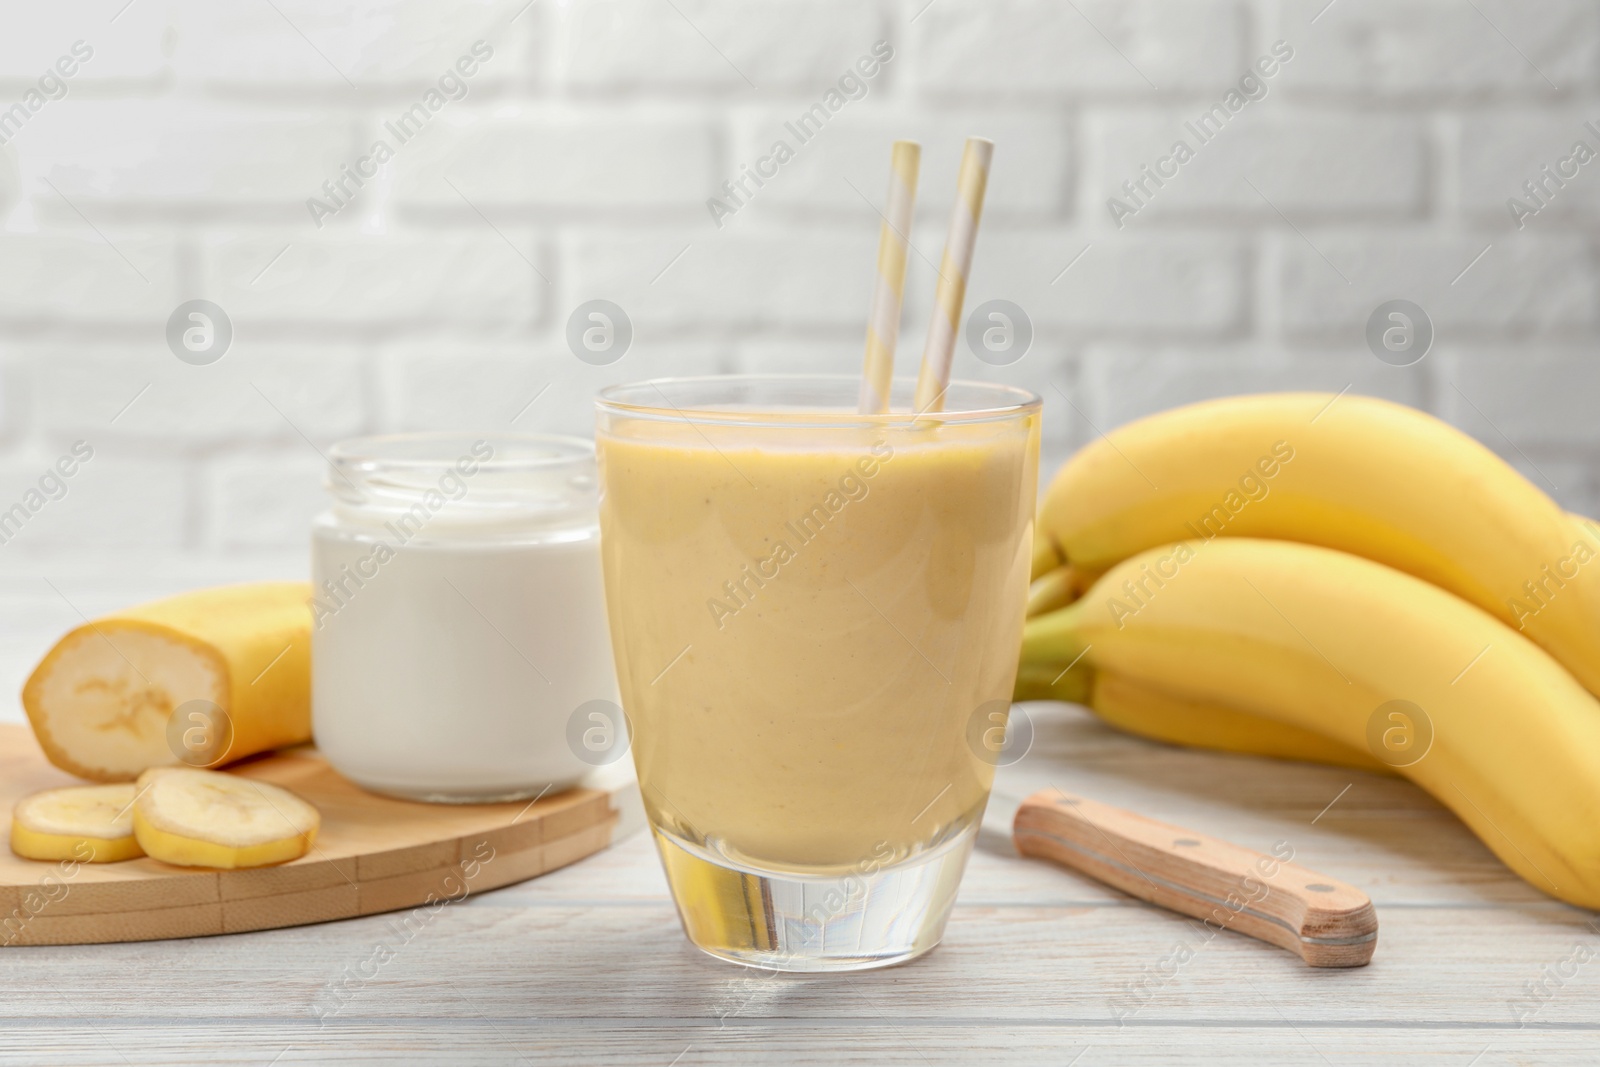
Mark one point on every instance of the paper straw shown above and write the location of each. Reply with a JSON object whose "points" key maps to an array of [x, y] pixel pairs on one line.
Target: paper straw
{"points": [[883, 328], [953, 267]]}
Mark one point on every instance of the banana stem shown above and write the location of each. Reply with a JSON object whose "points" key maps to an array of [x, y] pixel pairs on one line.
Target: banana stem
{"points": [[1047, 555], [1053, 638], [1054, 590], [1049, 682]]}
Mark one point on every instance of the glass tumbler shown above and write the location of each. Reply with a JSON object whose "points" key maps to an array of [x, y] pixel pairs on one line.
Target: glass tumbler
{"points": [[814, 613]]}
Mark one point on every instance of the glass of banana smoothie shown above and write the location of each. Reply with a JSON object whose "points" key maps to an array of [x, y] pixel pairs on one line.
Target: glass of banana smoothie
{"points": [[814, 613]]}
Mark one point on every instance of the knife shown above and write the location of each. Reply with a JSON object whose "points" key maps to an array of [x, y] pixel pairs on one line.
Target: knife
{"points": [[1326, 922]]}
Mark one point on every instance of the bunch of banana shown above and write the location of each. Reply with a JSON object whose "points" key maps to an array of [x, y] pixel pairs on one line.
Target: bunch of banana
{"points": [[1343, 580], [1365, 476]]}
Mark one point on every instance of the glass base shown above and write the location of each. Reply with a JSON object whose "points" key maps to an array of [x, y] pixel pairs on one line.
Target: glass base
{"points": [[871, 916]]}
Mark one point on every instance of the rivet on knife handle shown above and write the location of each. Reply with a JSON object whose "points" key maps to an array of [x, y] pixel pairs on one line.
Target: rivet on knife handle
{"points": [[1326, 922]]}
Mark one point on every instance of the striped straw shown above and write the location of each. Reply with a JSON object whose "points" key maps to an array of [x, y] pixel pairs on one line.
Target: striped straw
{"points": [[883, 328], [952, 292]]}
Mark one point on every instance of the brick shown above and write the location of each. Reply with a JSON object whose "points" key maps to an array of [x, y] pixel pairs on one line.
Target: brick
{"points": [[176, 153], [1048, 372], [15, 395], [389, 281], [10, 182], [372, 43], [1125, 283], [791, 356], [1031, 47], [1123, 383], [502, 390], [1439, 48], [1522, 397], [320, 389], [793, 44], [1530, 285], [1306, 163], [1502, 150], [456, 386], [127, 50], [589, 160], [111, 502], [265, 501], [729, 278], [250, 394], [1031, 176], [76, 274]]}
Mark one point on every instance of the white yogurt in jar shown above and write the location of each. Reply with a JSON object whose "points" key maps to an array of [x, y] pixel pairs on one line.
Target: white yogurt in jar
{"points": [[460, 624]]}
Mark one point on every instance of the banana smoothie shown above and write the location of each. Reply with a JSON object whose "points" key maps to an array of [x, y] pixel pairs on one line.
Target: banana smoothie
{"points": [[807, 613]]}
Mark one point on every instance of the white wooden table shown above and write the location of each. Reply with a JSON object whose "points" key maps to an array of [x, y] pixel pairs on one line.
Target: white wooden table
{"points": [[588, 965]]}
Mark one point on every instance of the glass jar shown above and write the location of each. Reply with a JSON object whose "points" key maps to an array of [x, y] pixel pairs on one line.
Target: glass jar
{"points": [[459, 618]]}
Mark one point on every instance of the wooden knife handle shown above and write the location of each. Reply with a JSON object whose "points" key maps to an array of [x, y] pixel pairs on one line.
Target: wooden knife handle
{"points": [[1326, 922]]}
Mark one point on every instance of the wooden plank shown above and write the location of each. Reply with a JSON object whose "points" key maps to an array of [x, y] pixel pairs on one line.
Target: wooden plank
{"points": [[451, 882], [113, 889], [461, 1037], [575, 846], [380, 865], [289, 909], [306, 875], [191, 920], [1023, 965]]}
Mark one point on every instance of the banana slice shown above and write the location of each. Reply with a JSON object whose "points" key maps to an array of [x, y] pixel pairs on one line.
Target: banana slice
{"points": [[196, 818], [88, 823]]}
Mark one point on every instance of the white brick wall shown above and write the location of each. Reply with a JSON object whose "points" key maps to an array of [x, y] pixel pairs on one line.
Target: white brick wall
{"points": [[629, 45], [1095, 48], [178, 160], [1300, 160], [1419, 51]]}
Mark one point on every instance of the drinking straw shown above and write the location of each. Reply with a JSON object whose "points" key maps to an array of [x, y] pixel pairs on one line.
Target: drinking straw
{"points": [[952, 291], [883, 328]]}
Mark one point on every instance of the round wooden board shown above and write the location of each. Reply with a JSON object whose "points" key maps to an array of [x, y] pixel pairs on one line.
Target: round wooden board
{"points": [[373, 854]]}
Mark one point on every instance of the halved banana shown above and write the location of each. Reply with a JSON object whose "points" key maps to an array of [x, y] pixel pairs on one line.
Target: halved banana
{"points": [[87, 823], [199, 679], [196, 818]]}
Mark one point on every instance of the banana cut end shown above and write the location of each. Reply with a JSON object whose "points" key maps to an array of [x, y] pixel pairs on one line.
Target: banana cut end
{"points": [[196, 818], [87, 823], [101, 702]]}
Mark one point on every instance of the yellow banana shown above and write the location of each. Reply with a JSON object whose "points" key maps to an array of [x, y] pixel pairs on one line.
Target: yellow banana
{"points": [[1369, 657], [212, 676], [1138, 709], [1364, 476]]}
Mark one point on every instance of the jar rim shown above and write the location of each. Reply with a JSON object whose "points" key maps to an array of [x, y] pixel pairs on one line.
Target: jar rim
{"points": [[495, 484], [442, 448]]}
